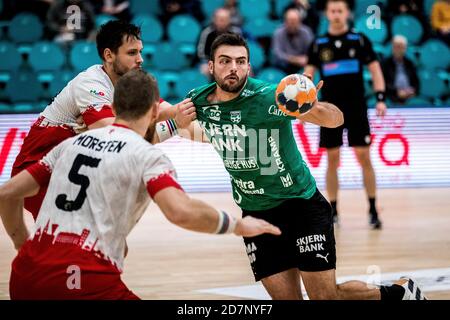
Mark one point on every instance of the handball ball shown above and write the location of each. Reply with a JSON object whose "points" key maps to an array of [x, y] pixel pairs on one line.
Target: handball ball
{"points": [[296, 94]]}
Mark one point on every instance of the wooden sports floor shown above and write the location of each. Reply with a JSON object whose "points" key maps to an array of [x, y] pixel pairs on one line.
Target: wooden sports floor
{"points": [[166, 262]]}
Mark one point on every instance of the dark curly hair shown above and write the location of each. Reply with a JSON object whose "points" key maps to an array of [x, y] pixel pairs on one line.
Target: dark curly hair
{"points": [[112, 33]]}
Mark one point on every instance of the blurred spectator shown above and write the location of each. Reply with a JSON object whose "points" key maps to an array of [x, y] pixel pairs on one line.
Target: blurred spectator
{"points": [[411, 7], [13, 7], [440, 19], [116, 8], [400, 73], [220, 24], [63, 22], [171, 8], [290, 43], [308, 13], [235, 16]]}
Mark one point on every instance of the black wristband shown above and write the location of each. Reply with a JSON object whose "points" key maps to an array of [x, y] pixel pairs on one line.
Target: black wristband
{"points": [[380, 96]]}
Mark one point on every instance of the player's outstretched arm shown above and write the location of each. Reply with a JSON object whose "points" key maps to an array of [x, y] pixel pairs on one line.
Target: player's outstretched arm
{"points": [[197, 215], [324, 114], [12, 194]]}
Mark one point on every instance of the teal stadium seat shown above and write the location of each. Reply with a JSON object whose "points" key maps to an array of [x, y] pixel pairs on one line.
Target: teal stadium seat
{"points": [[428, 5], [209, 6], [144, 7], [271, 75], [10, 59], [407, 26], [251, 9], [168, 56], [435, 54], [151, 28], [261, 27], [83, 55], [102, 19], [375, 35], [280, 6], [431, 85], [163, 85], [59, 81], [23, 87], [24, 107], [46, 56], [257, 56], [362, 5], [188, 80], [25, 28], [418, 101], [5, 108], [184, 31], [322, 28]]}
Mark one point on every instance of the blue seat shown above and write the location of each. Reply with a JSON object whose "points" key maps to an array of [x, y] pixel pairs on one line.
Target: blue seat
{"points": [[428, 5], [46, 56], [189, 79], [10, 58], [407, 26], [151, 28], [23, 87], [101, 19], [83, 55], [167, 56], [418, 101], [376, 35], [183, 28], [144, 7], [24, 107], [251, 9], [25, 28], [209, 6], [431, 85], [257, 56], [362, 5], [5, 108], [163, 85], [59, 81], [435, 54], [280, 6], [271, 75], [322, 28], [261, 27]]}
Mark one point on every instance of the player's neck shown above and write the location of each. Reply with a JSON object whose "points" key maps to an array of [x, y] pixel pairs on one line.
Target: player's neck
{"points": [[111, 74], [338, 30], [221, 96], [139, 126]]}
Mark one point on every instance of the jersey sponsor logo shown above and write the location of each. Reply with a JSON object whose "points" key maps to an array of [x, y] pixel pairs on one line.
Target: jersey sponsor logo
{"points": [[97, 93], [274, 110], [251, 250], [230, 130], [247, 187], [352, 52], [338, 43], [286, 180], [247, 93], [276, 154], [226, 144], [326, 55], [212, 112], [235, 116], [311, 243], [318, 255], [241, 164], [350, 66], [239, 197]]}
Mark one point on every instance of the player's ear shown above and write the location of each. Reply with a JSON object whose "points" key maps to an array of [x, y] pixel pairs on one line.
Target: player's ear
{"points": [[107, 55], [210, 66], [113, 110]]}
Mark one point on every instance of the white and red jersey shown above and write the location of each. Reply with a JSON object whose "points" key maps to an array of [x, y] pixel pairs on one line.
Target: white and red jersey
{"points": [[89, 94], [101, 182]]}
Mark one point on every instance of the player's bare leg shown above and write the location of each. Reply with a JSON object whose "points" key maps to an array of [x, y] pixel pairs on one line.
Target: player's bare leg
{"points": [[363, 156], [284, 285], [332, 179]]}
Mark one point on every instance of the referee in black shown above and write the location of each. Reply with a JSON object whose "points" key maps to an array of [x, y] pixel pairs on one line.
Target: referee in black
{"points": [[339, 56]]}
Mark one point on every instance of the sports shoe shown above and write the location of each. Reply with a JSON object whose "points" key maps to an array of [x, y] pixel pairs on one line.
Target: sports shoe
{"points": [[412, 290], [374, 222]]}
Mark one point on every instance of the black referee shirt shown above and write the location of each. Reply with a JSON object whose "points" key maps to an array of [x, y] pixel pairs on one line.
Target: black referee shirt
{"points": [[340, 60]]}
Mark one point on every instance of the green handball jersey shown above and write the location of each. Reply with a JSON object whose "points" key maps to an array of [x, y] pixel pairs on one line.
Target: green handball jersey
{"points": [[254, 138]]}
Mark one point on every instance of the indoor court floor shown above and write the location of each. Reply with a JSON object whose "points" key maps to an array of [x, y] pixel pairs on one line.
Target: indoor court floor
{"points": [[167, 262]]}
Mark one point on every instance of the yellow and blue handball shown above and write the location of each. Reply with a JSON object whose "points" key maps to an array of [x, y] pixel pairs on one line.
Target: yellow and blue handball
{"points": [[295, 94]]}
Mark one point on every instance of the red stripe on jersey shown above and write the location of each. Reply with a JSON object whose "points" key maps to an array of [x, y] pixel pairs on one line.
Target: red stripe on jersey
{"points": [[40, 172], [92, 115], [161, 182]]}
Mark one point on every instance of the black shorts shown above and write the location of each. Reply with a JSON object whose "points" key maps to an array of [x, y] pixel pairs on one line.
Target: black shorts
{"points": [[307, 240], [355, 122]]}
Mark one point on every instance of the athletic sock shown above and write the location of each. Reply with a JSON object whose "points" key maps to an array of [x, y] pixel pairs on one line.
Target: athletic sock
{"points": [[393, 292], [373, 209], [334, 206]]}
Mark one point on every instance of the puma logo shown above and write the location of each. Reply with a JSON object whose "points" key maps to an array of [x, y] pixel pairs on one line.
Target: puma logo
{"points": [[318, 255]]}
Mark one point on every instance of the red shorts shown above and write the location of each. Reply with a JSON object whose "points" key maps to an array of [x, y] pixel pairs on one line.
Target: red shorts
{"points": [[39, 141], [64, 271]]}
